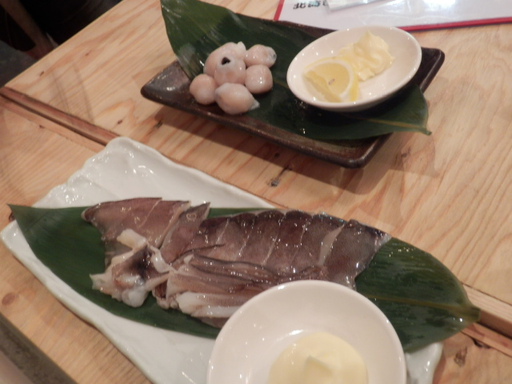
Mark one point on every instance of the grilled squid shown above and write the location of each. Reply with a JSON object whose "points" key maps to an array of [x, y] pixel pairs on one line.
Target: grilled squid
{"points": [[208, 266]]}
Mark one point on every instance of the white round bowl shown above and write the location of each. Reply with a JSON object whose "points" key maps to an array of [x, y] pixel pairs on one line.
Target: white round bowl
{"points": [[402, 46], [255, 335]]}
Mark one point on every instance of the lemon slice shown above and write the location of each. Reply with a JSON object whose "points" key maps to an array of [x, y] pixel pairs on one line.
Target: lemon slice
{"points": [[332, 80]]}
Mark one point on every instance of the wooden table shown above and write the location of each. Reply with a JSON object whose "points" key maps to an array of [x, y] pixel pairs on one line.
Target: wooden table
{"points": [[446, 193]]}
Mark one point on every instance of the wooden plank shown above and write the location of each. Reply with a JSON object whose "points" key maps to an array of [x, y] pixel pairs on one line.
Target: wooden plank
{"points": [[465, 361], [496, 314], [445, 193], [28, 358], [81, 351], [37, 155], [487, 337]]}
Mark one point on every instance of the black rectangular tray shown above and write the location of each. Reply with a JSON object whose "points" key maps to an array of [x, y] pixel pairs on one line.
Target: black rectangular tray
{"points": [[170, 88]]}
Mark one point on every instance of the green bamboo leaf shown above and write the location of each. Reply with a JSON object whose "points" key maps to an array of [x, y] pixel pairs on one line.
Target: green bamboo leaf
{"points": [[195, 29], [422, 299], [72, 249]]}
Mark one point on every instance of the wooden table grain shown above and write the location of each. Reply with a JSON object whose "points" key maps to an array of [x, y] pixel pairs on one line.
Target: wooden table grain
{"points": [[36, 155], [446, 193]]}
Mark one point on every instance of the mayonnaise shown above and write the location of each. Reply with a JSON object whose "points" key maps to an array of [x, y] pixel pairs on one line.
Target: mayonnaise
{"points": [[319, 358]]}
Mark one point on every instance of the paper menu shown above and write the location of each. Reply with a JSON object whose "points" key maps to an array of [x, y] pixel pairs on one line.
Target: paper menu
{"points": [[412, 15], [337, 4]]}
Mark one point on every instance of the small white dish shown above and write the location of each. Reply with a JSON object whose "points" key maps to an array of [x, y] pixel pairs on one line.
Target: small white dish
{"points": [[402, 46], [255, 335]]}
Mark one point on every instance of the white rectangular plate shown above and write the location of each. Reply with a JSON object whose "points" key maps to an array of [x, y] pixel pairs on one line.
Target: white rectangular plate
{"points": [[126, 169]]}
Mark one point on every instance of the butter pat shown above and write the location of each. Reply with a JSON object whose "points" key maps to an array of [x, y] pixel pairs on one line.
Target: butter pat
{"points": [[319, 358], [368, 57]]}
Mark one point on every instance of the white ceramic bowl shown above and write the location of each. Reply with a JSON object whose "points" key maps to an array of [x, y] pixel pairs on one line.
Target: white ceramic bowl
{"points": [[402, 46], [263, 327]]}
